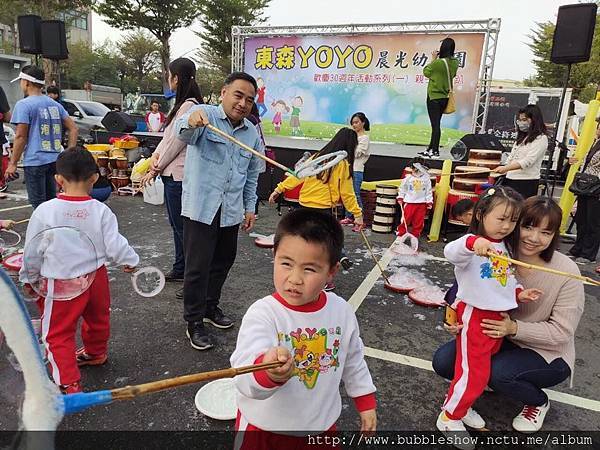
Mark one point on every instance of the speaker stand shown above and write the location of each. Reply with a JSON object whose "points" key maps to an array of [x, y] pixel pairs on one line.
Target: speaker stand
{"points": [[555, 134]]}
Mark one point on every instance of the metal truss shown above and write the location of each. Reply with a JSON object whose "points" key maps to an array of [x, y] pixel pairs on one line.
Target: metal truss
{"points": [[491, 28]]}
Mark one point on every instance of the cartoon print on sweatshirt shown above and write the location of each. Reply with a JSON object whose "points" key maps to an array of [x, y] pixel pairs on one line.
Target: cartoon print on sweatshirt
{"points": [[311, 353], [416, 185], [497, 269]]}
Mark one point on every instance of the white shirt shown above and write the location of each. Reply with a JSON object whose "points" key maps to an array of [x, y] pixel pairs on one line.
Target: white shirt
{"points": [[66, 255], [484, 283], [323, 338], [530, 157], [361, 154], [155, 121], [416, 189]]}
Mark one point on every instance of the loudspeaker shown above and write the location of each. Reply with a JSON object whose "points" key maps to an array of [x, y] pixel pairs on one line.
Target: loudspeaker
{"points": [[54, 43], [29, 34], [480, 141], [573, 34], [119, 121]]}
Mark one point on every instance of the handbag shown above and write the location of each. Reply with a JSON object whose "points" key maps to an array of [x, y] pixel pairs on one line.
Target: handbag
{"points": [[451, 106], [585, 184]]}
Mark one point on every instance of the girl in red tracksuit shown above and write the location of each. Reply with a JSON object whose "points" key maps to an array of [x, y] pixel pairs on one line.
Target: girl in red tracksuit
{"points": [[416, 195], [487, 287]]}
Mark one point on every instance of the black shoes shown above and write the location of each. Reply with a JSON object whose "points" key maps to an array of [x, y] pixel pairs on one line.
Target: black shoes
{"points": [[346, 263], [172, 276], [199, 338], [217, 319]]}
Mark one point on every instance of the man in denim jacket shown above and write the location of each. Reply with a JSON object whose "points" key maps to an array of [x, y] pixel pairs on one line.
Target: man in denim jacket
{"points": [[219, 193]]}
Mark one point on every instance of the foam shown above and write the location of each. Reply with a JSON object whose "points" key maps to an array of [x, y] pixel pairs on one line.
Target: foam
{"points": [[43, 407]]}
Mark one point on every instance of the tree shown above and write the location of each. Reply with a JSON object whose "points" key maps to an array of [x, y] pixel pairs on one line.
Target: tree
{"points": [[140, 58], [98, 65], [584, 76], [210, 81], [218, 16], [159, 17]]}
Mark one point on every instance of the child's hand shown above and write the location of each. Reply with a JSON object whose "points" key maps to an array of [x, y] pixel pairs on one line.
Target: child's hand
{"points": [[283, 373], [368, 420], [530, 295], [274, 196], [128, 269], [482, 246], [28, 291], [429, 205], [6, 224]]}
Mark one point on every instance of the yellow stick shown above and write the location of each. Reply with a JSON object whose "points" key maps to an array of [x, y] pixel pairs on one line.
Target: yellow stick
{"points": [[516, 262], [364, 236], [21, 221], [129, 392], [441, 194]]}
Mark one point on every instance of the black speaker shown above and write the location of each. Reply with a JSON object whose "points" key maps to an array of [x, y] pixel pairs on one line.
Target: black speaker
{"points": [[478, 141], [29, 34], [54, 42], [119, 121], [573, 34]]}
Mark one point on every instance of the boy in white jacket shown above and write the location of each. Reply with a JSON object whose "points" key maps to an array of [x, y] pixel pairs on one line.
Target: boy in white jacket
{"points": [[313, 334], [416, 197], [65, 259]]}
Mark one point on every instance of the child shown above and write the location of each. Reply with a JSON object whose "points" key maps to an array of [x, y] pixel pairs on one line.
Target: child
{"points": [[76, 174], [463, 211], [417, 197], [486, 288], [314, 334]]}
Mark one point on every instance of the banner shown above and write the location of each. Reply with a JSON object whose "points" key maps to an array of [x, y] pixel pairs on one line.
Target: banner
{"points": [[311, 85]]}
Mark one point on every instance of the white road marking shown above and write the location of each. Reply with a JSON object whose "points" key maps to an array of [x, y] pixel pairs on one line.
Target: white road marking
{"points": [[365, 287], [15, 207]]}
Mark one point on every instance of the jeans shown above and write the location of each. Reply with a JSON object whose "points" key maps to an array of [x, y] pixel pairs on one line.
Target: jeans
{"points": [[435, 109], [40, 183], [173, 202], [518, 373], [357, 179], [588, 228], [210, 252]]}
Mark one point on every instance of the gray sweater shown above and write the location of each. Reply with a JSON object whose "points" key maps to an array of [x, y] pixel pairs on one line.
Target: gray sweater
{"points": [[548, 325]]}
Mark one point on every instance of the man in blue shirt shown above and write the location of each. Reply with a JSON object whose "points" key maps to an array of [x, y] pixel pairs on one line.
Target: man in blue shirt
{"points": [[219, 193], [40, 121]]}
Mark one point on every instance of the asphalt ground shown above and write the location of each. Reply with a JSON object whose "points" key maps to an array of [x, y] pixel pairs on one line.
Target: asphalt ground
{"points": [[148, 339]]}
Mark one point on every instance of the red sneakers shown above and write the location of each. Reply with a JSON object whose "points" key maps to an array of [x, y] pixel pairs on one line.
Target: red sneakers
{"points": [[72, 388], [84, 359]]}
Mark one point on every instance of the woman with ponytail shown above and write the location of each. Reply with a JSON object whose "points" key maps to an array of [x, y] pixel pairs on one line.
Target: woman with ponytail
{"points": [[169, 157]]}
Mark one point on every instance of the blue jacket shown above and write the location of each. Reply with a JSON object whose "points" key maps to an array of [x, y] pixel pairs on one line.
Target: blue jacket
{"points": [[217, 173]]}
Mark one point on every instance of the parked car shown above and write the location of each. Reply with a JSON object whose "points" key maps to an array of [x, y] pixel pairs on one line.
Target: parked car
{"points": [[87, 115]]}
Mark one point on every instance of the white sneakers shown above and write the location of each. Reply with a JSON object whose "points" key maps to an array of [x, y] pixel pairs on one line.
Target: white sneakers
{"points": [[531, 418], [473, 420], [456, 429]]}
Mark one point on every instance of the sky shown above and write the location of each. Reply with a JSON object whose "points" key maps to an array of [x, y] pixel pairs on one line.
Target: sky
{"points": [[513, 56]]}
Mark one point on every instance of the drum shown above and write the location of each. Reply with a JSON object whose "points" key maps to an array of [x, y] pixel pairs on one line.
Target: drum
{"points": [[381, 227], [484, 163], [102, 161], [453, 197], [385, 209], [467, 172], [387, 189], [435, 174], [468, 185], [383, 218], [493, 155], [386, 199]]}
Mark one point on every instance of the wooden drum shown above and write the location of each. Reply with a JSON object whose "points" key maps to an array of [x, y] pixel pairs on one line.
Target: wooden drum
{"points": [[387, 189], [493, 155], [386, 199], [385, 209], [472, 172], [453, 197], [467, 184], [484, 163]]}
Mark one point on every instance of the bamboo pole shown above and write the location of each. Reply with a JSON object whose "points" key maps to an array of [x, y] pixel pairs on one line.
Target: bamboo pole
{"points": [[21, 221], [516, 262], [364, 236], [129, 392]]}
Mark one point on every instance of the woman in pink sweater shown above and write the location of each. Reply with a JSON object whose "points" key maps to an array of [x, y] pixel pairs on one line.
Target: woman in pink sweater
{"points": [[539, 349], [169, 156]]}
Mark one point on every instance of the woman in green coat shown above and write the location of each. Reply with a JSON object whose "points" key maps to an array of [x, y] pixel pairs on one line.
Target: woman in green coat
{"points": [[438, 91]]}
